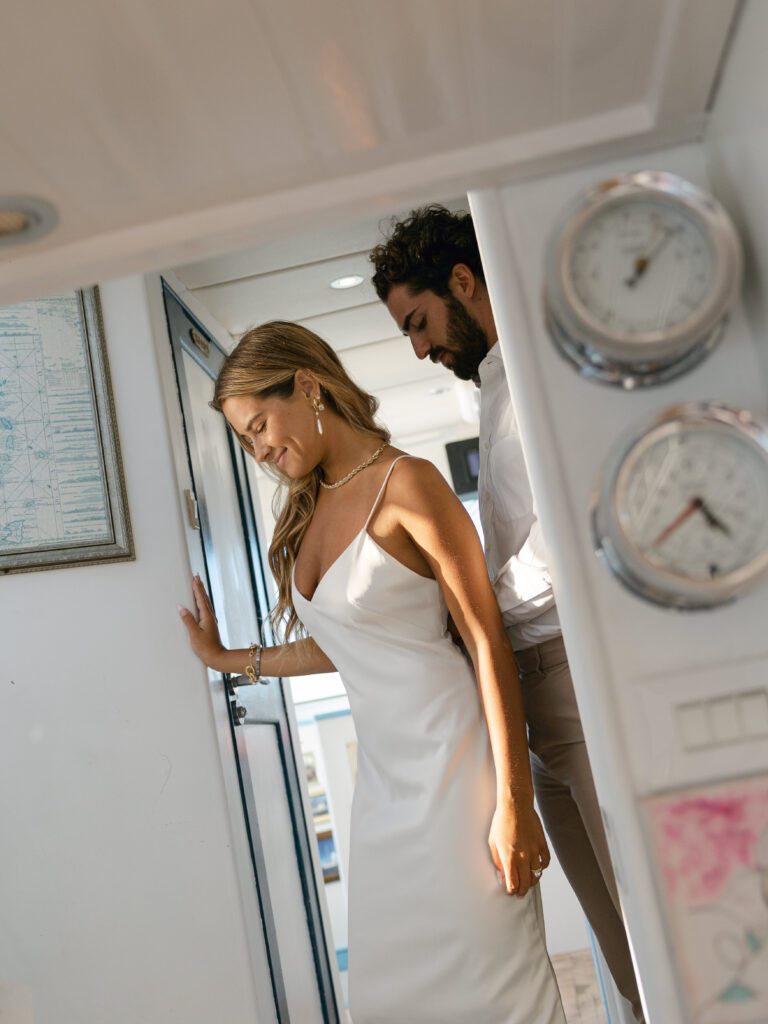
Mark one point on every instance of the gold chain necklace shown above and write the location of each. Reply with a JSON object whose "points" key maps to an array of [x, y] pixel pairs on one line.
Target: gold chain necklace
{"points": [[355, 471]]}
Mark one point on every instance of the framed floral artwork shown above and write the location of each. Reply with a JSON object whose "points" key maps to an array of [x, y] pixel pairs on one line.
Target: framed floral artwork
{"points": [[711, 848]]}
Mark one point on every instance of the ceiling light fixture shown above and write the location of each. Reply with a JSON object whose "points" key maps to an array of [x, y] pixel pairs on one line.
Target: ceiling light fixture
{"points": [[23, 219], [351, 281]]}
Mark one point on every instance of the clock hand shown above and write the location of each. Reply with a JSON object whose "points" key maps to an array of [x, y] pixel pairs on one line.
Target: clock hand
{"points": [[711, 518], [643, 262], [693, 506]]}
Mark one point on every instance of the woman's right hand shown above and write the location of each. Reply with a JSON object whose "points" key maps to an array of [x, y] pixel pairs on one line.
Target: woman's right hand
{"points": [[203, 631]]}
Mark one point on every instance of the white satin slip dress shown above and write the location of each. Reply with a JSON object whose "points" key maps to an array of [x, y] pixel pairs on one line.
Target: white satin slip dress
{"points": [[433, 937]]}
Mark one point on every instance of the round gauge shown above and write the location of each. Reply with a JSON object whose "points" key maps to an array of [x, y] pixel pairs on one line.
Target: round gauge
{"points": [[640, 275], [682, 517]]}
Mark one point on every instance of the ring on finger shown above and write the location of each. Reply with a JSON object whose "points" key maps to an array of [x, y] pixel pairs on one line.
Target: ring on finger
{"points": [[537, 872]]}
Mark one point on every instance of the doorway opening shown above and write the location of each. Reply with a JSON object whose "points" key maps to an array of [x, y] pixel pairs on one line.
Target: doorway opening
{"points": [[323, 282]]}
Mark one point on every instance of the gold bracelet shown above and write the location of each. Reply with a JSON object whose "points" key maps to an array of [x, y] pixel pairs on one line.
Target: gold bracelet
{"points": [[254, 671]]}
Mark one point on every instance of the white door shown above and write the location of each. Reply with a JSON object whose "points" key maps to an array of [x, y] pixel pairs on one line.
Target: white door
{"points": [[284, 874]]}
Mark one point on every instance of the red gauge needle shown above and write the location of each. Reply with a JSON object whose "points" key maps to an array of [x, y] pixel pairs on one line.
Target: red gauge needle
{"points": [[693, 506]]}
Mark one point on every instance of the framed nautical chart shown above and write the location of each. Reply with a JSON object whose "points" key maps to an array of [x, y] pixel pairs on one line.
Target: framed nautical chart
{"points": [[62, 492]]}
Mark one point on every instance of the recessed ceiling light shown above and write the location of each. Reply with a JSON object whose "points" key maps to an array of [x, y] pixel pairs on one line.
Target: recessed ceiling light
{"points": [[351, 281], [23, 219], [12, 222]]}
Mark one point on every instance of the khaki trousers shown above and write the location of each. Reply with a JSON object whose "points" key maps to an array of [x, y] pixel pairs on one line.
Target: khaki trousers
{"points": [[566, 796]]}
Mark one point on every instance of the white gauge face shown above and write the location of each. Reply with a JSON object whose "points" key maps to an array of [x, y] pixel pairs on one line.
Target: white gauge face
{"points": [[695, 502], [641, 266]]}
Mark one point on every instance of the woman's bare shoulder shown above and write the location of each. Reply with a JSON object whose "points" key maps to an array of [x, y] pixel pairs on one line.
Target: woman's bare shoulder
{"points": [[416, 481]]}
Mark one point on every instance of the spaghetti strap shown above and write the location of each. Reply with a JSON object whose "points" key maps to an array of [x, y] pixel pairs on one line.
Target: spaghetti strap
{"points": [[378, 497]]}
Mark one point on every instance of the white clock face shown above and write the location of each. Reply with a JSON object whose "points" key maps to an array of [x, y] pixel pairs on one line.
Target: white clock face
{"points": [[641, 266], [695, 503]]}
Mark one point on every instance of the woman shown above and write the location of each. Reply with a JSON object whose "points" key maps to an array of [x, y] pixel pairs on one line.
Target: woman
{"points": [[371, 552]]}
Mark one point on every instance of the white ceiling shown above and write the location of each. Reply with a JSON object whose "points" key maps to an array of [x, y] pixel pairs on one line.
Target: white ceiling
{"points": [[293, 293], [167, 130], [503, 68]]}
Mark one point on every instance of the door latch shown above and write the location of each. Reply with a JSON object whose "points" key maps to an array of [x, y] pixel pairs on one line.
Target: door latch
{"points": [[191, 503]]}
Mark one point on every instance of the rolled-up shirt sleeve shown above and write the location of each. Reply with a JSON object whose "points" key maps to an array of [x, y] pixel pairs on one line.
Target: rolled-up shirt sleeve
{"points": [[523, 586]]}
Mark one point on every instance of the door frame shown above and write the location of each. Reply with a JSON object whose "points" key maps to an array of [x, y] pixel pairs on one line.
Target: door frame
{"points": [[279, 709]]}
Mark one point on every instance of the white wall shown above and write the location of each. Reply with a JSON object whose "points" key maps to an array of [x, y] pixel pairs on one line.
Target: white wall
{"points": [[434, 450], [335, 731], [737, 149], [118, 888], [335, 892]]}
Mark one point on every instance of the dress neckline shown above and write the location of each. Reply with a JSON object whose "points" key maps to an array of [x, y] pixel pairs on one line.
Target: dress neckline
{"points": [[319, 583], [364, 529], [365, 535]]}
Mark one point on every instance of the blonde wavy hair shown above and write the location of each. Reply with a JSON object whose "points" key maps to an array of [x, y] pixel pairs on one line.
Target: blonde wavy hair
{"points": [[264, 364]]}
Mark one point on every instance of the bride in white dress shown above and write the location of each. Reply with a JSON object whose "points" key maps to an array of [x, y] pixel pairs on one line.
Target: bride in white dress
{"points": [[372, 551]]}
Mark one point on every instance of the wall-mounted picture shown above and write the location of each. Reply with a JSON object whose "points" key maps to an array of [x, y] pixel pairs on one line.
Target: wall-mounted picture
{"points": [[62, 492], [711, 847], [310, 770], [320, 812], [464, 462], [329, 858]]}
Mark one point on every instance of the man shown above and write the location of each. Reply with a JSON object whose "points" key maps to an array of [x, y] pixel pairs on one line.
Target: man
{"points": [[430, 276]]}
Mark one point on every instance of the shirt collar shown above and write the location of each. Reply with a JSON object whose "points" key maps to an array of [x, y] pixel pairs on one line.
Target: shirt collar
{"points": [[488, 364]]}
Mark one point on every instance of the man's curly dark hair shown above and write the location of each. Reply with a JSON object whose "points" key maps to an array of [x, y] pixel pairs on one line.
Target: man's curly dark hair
{"points": [[423, 249]]}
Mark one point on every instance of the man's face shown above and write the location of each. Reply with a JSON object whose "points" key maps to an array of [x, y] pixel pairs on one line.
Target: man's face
{"points": [[441, 328]]}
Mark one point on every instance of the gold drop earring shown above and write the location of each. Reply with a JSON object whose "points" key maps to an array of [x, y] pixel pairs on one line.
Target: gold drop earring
{"points": [[318, 406]]}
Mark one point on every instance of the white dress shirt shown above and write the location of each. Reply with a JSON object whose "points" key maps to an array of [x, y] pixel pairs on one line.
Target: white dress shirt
{"points": [[514, 548]]}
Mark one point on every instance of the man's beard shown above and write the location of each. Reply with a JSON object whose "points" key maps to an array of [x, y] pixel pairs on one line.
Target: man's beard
{"points": [[466, 341]]}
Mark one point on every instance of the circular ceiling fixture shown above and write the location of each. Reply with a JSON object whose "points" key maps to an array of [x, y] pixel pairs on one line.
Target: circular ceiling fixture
{"points": [[350, 281], [23, 219]]}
